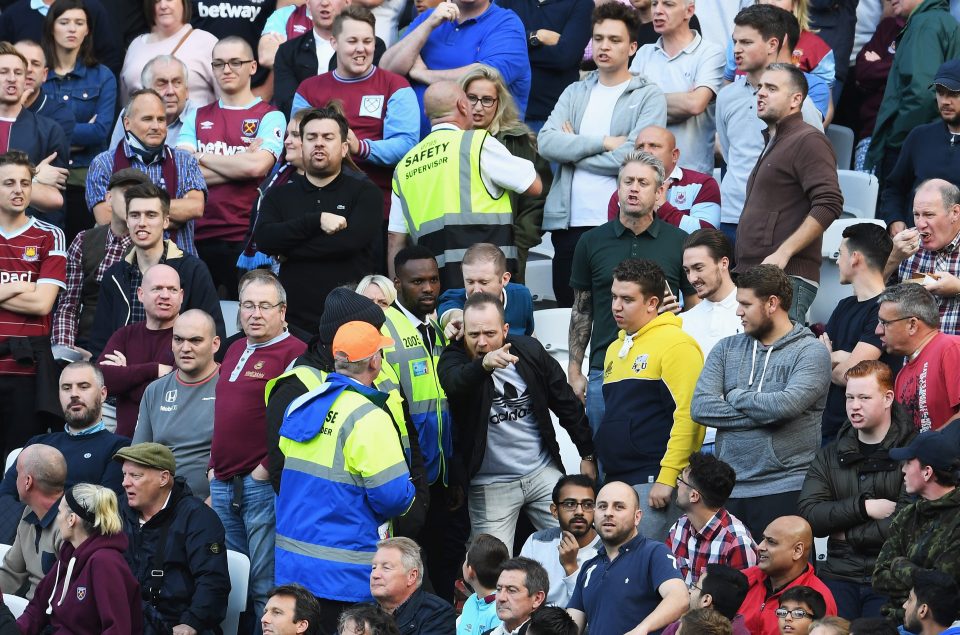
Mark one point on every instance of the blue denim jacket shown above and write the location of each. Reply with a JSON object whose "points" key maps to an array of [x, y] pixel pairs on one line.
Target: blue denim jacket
{"points": [[88, 91]]}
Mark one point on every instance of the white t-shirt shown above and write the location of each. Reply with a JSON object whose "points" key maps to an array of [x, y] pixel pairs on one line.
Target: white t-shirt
{"points": [[586, 208], [499, 171], [325, 53]]}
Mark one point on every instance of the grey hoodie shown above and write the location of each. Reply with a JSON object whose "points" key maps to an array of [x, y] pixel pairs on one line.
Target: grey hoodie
{"points": [[766, 403]]}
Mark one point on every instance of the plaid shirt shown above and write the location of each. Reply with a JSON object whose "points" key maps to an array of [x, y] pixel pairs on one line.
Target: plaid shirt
{"points": [[947, 259], [724, 539], [67, 317]]}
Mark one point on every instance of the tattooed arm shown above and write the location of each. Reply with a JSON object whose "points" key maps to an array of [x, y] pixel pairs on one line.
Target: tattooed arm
{"points": [[581, 323]]}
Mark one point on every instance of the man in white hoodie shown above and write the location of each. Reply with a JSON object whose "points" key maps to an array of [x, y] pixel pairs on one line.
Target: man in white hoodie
{"points": [[765, 390]]}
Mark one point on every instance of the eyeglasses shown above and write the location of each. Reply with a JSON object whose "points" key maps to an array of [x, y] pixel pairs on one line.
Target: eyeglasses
{"points": [[571, 505], [265, 307], [233, 64], [885, 323], [797, 614], [693, 585], [687, 483], [486, 102]]}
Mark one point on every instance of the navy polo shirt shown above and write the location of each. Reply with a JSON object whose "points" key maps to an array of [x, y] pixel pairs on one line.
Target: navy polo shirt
{"points": [[618, 595]]}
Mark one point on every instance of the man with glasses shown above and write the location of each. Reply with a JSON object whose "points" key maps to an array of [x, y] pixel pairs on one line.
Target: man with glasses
{"points": [[563, 550], [708, 533], [909, 325], [236, 140], [501, 390], [240, 489]]}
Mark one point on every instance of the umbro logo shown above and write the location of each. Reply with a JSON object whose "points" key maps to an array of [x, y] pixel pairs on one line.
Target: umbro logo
{"points": [[206, 125]]}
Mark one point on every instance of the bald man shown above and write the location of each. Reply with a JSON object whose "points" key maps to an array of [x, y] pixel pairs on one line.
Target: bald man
{"points": [[783, 562], [177, 409], [692, 199], [139, 353], [435, 204], [645, 591], [929, 250], [42, 472]]}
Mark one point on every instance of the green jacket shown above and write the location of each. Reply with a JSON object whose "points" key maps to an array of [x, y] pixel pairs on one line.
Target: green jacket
{"points": [[527, 210], [930, 37], [923, 535]]}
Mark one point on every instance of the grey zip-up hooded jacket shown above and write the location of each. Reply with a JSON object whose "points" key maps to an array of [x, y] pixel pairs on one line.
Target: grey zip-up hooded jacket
{"points": [[766, 403], [642, 104]]}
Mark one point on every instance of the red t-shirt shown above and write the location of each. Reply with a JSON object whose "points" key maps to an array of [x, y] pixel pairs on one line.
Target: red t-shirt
{"points": [[34, 253], [5, 126], [925, 386]]}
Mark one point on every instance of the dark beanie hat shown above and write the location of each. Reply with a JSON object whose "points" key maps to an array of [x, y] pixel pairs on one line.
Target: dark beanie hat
{"points": [[342, 306]]}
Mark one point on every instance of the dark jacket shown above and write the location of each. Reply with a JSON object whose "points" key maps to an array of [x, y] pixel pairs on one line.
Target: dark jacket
{"points": [[8, 625], [833, 499], [425, 614], [296, 60], [527, 210], [287, 389], [39, 137], [795, 177], [835, 22], [90, 591], [469, 391], [113, 305], [195, 583]]}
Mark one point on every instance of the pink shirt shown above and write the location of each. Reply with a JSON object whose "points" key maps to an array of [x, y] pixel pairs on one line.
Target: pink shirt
{"points": [[196, 52]]}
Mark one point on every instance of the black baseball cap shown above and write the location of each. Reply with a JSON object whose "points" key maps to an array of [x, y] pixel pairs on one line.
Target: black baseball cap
{"points": [[948, 76], [932, 448]]}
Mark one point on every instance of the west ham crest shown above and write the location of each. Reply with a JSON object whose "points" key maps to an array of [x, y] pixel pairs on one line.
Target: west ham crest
{"points": [[81, 593], [371, 106], [249, 127]]}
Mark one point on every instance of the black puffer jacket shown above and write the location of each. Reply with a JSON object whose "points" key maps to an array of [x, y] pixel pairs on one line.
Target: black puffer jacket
{"points": [[838, 484]]}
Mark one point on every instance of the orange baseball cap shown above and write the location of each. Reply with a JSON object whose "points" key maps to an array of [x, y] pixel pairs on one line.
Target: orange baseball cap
{"points": [[359, 340]]}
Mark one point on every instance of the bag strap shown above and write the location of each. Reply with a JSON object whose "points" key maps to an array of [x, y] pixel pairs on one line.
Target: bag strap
{"points": [[182, 40]]}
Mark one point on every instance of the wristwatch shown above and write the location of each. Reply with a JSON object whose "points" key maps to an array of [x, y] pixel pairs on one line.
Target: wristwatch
{"points": [[533, 41], [589, 457]]}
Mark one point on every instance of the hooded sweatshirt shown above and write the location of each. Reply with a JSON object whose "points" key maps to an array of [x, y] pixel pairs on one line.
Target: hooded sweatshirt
{"points": [[766, 403], [90, 591]]}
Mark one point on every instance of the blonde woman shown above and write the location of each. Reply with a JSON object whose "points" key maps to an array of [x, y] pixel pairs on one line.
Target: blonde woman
{"points": [[379, 289], [492, 109], [90, 590]]}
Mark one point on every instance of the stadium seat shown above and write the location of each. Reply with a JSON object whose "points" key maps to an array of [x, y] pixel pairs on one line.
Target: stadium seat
{"points": [[860, 191], [842, 139], [230, 310], [539, 279], [11, 459], [15, 603], [239, 566], [831, 291]]}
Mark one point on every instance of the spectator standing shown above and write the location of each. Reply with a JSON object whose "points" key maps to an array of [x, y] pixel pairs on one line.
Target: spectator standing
{"points": [[92, 555], [649, 375], [589, 135], [236, 140], [34, 99], [636, 232], [177, 409], [930, 474], [689, 70], [692, 199], [171, 34], [798, 165], [521, 590], [396, 580], [168, 76], [41, 471], [907, 324], [501, 391], [930, 37], [933, 604], [33, 274], [707, 533], [783, 564], [853, 487], [493, 109], [604, 597], [927, 152], [90, 89], [851, 335], [721, 589], [930, 252], [444, 43], [177, 550], [835, 24], [562, 550], [148, 210], [240, 489], [322, 225], [145, 148], [427, 204], [556, 34], [91, 253], [764, 390], [139, 353]]}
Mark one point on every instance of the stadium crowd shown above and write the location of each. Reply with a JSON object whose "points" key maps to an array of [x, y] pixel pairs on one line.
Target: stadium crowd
{"points": [[386, 440]]}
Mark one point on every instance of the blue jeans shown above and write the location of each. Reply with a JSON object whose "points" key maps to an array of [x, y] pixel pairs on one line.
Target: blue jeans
{"points": [[595, 407], [854, 600], [804, 294], [252, 531], [730, 231]]}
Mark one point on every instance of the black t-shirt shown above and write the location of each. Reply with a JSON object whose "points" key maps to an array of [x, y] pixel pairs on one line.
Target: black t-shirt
{"points": [[852, 322]]}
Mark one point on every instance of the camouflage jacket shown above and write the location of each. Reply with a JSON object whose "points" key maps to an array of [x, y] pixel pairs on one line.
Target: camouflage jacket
{"points": [[923, 535]]}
